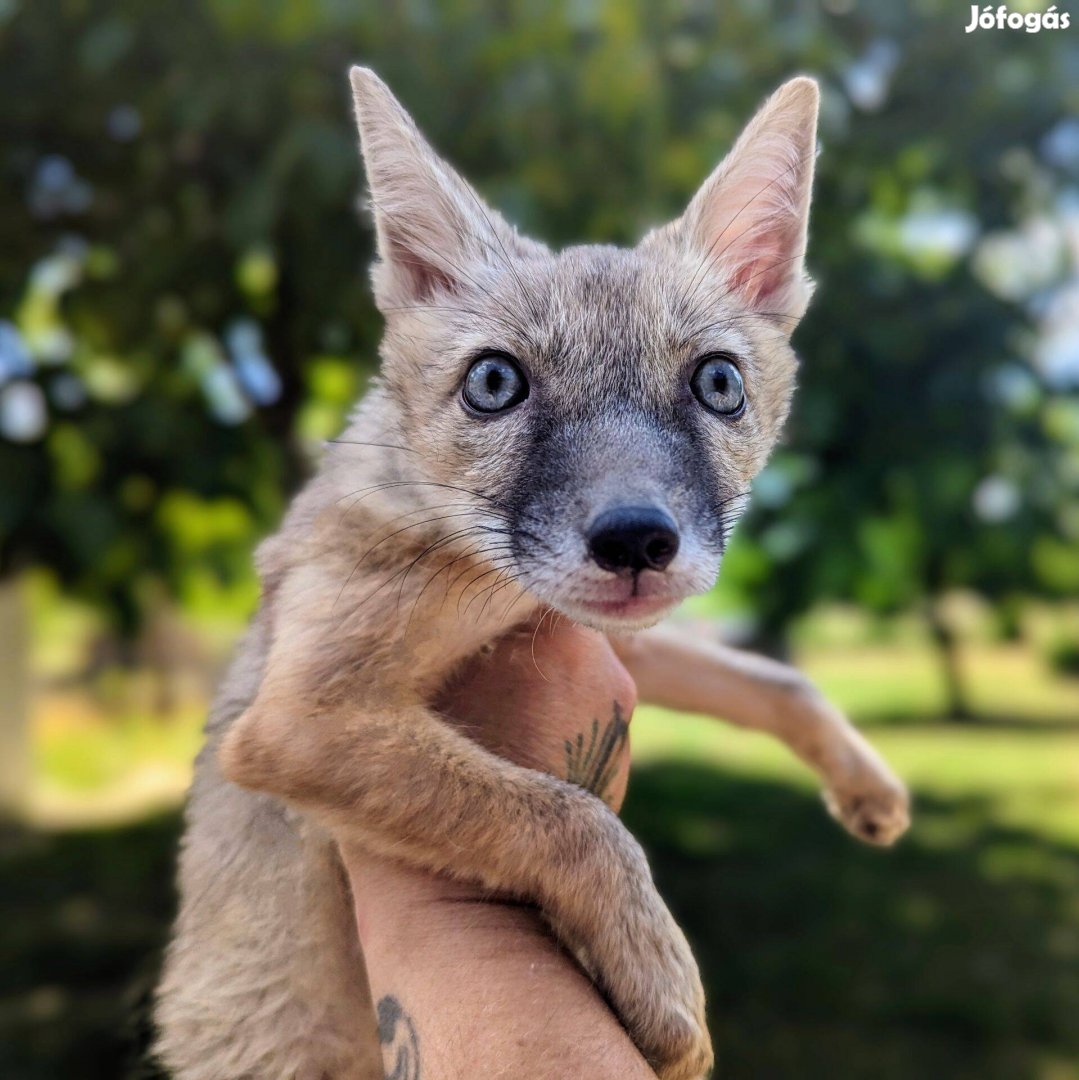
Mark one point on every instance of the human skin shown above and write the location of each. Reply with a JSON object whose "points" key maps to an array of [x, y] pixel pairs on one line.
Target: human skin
{"points": [[467, 984]]}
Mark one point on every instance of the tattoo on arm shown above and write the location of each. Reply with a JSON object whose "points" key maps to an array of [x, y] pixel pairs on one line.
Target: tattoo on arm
{"points": [[399, 1041], [591, 763]]}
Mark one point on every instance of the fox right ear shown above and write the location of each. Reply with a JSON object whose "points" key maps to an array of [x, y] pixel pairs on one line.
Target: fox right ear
{"points": [[750, 217], [435, 235]]}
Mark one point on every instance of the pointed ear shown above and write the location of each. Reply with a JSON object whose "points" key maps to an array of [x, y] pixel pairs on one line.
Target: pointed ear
{"points": [[435, 235], [750, 217]]}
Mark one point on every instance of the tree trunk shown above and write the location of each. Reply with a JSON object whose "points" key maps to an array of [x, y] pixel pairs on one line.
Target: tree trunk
{"points": [[947, 648], [14, 697]]}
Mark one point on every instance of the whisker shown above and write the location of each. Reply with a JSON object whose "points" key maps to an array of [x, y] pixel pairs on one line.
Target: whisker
{"points": [[520, 581], [360, 442], [473, 552], [535, 634], [731, 498], [379, 525], [360, 560], [469, 507], [471, 582], [493, 507], [405, 570], [487, 573], [424, 553], [457, 577], [497, 552], [504, 579], [416, 525], [384, 485], [515, 580]]}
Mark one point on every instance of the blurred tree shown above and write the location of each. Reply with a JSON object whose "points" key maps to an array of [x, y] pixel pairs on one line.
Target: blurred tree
{"points": [[929, 449], [182, 297]]}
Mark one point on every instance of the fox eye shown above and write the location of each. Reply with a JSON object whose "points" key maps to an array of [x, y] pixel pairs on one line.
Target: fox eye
{"points": [[718, 385], [494, 383]]}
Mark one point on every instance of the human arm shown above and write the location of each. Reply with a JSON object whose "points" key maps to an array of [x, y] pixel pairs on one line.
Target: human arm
{"points": [[469, 984]]}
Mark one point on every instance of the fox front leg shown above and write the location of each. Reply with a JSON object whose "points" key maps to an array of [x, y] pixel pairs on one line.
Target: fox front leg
{"points": [[676, 671], [388, 774]]}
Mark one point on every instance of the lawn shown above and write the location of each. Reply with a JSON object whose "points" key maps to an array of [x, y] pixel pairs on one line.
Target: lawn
{"points": [[956, 955]]}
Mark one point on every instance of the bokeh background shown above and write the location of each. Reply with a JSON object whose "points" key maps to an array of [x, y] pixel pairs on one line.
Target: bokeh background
{"points": [[184, 317]]}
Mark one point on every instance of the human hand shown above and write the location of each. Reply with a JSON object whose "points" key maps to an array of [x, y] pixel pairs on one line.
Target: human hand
{"points": [[570, 697]]}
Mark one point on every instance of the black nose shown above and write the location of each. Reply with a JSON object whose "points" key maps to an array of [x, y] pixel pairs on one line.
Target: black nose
{"points": [[633, 538]]}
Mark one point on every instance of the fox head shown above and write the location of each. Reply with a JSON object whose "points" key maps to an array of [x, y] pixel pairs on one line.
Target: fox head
{"points": [[607, 407]]}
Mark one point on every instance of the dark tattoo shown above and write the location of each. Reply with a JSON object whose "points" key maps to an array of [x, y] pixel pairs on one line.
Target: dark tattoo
{"points": [[400, 1043], [592, 764]]}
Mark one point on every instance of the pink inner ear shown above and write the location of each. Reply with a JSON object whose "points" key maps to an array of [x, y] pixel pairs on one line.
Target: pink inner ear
{"points": [[426, 276], [761, 262], [753, 230]]}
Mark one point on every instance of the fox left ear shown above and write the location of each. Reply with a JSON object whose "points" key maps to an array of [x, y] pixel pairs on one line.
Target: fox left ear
{"points": [[750, 217]]}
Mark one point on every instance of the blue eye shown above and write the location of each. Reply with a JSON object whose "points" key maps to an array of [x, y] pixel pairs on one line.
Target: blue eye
{"points": [[494, 383], [718, 386]]}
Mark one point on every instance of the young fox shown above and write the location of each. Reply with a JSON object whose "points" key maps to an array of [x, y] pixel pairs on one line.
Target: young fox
{"points": [[571, 431]]}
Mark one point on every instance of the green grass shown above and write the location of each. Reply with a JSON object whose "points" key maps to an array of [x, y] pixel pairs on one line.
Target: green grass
{"points": [[955, 955], [95, 757]]}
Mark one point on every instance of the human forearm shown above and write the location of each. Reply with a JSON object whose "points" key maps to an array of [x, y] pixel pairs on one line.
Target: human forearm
{"points": [[469, 986], [472, 985]]}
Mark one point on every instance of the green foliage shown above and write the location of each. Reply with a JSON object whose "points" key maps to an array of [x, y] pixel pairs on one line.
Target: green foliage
{"points": [[178, 209]]}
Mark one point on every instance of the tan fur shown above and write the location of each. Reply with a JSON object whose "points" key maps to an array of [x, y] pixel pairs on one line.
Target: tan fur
{"points": [[427, 533], [755, 692]]}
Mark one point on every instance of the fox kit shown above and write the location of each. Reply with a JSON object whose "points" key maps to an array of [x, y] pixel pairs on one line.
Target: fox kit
{"points": [[571, 431]]}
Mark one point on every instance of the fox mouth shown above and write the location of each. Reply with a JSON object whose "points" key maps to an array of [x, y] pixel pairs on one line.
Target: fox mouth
{"points": [[626, 601], [632, 607]]}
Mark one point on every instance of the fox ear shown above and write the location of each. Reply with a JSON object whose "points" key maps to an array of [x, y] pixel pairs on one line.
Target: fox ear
{"points": [[750, 217], [435, 235]]}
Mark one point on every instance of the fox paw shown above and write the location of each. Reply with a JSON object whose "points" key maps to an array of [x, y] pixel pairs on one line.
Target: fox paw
{"points": [[876, 811], [690, 1058]]}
